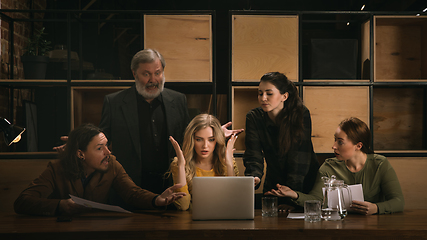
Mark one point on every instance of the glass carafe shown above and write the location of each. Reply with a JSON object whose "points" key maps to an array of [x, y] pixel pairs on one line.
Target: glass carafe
{"points": [[336, 196]]}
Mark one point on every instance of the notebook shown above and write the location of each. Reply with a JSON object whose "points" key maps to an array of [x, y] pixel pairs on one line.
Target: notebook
{"points": [[223, 198]]}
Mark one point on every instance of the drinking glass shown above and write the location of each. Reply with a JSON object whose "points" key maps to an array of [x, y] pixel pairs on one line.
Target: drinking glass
{"points": [[269, 207]]}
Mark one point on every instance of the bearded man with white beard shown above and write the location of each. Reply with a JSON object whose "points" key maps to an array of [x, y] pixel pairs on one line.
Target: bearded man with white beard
{"points": [[138, 122]]}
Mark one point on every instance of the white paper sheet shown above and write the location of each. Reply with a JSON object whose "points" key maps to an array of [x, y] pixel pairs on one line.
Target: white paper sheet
{"points": [[102, 206], [356, 194], [296, 215]]}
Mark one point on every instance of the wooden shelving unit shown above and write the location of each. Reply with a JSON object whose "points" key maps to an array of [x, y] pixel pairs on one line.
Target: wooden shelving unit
{"points": [[184, 38], [388, 91]]}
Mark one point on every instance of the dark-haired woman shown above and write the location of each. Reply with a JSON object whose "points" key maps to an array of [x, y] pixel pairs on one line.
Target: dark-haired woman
{"points": [[355, 163], [87, 170], [279, 131]]}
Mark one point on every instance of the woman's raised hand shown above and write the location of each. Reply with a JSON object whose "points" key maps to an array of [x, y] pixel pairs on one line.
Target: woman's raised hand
{"points": [[230, 149], [227, 132], [178, 151]]}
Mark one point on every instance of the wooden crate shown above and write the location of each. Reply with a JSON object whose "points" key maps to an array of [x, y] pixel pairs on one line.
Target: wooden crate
{"points": [[243, 100], [262, 44], [398, 118], [329, 106], [185, 41], [400, 48]]}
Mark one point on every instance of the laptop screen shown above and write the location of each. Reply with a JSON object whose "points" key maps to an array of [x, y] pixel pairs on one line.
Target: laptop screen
{"points": [[223, 198]]}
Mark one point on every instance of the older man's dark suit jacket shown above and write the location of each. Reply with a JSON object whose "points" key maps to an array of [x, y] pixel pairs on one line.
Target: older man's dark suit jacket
{"points": [[120, 124]]}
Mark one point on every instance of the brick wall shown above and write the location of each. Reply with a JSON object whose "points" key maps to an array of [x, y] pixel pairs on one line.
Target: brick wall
{"points": [[22, 31]]}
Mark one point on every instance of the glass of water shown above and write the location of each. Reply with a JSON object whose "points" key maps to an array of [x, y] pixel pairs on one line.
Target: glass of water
{"points": [[269, 207], [312, 211]]}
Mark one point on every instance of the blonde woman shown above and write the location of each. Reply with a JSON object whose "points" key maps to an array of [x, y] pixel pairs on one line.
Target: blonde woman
{"points": [[204, 153]]}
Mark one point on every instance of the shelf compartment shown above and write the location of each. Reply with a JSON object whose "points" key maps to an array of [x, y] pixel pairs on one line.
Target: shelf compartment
{"points": [[87, 102], [262, 44], [398, 118], [400, 49], [243, 100], [335, 46], [185, 41], [199, 103], [329, 106]]}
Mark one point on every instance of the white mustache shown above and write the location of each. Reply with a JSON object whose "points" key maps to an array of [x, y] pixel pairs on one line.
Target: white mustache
{"points": [[152, 85]]}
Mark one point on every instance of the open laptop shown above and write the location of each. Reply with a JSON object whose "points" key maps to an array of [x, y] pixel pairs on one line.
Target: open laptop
{"points": [[223, 198]]}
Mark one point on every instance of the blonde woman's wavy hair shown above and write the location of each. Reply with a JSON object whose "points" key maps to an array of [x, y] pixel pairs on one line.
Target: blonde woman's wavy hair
{"points": [[200, 122]]}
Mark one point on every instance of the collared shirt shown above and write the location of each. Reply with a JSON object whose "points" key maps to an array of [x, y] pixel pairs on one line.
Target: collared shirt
{"points": [[153, 135], [86, 180]]}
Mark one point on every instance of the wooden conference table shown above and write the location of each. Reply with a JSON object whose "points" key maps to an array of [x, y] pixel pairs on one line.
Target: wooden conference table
{"points": [[411, 224]]}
